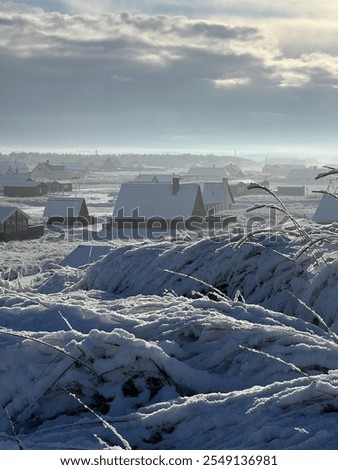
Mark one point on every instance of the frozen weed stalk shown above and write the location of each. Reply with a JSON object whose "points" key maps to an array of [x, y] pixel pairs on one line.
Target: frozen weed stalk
{"points": [[308, 240]]}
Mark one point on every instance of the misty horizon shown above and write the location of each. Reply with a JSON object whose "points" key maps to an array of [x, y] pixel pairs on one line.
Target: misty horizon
{"points": [[129, 76]]}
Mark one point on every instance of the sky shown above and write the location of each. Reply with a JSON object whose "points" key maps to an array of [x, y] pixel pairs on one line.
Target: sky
{"points": [[172, 75]]}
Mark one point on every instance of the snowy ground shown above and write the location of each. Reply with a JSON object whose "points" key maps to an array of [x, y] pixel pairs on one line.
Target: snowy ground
{"points": [[227, 343]]}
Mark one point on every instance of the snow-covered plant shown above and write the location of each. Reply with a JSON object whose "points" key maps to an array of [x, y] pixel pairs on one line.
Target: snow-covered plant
{"points": [[332, 171], [308, 240], [105, 423]]}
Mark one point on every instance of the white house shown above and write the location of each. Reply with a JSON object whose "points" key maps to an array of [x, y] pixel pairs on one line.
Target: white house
{"points": [[165, 201], [67, 210]]}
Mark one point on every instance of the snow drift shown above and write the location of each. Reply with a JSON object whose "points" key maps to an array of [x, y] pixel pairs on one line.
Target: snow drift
{"points": [[282, 272], [185, 345], [164, 372]]}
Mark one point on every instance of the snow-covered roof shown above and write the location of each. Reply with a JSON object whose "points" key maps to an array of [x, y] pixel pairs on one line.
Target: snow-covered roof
{"points": [[63, 207], [212, 171], [85, 254], [46, 166], [327, 210], [154, 200], [23, 184], [7, 211], [6, 180], [308, 173], [155, 178], [21, 167], [241, 181]]}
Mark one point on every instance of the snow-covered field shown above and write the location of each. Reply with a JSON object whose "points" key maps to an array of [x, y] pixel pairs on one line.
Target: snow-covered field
{"points": [[227, 343]]}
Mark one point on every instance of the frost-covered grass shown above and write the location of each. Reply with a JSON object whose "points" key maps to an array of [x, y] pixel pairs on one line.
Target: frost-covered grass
{"points": [[147, 348], [165, 371]]}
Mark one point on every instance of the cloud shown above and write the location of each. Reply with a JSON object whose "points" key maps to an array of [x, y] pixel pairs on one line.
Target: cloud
{"points": [[150, 75], [231, 82], [127, 41], [235, 55]]}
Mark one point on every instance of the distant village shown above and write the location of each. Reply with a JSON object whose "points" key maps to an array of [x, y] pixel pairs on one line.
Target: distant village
{"points": [[154, 191]]}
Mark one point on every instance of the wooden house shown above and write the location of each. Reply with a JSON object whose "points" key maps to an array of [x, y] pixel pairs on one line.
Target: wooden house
{"points": [[14, 225], [67, 211], [59, 187], [45, 171], [239, 188], [291, 190], [26, 189], [8, 180]]}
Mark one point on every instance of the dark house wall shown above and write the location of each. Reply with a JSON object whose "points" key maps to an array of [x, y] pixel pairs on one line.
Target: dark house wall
{"points": [[199, 207], [57, 187], [17, 222], [16, 228], [291, 190], [26, 191]]}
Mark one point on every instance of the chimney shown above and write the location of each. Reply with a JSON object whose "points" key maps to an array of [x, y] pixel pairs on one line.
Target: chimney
{"points": [[176, 185]]}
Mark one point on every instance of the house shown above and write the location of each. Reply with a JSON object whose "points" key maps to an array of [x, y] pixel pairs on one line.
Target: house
{"points": [[48, 172], [109, 165], [239, 188], [76, 170], [26, 189], [59, 187], [68, 211], [6, 180], [155, 178], [217, 196], [11, 168], [234, 171], [305, 176], [201, 173], [291, 190], [279, 171], [14, 225], [146, 203], [327, 210]]}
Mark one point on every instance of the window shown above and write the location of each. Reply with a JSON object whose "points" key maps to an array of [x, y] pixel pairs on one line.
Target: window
{"points": [[10, 225]]}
